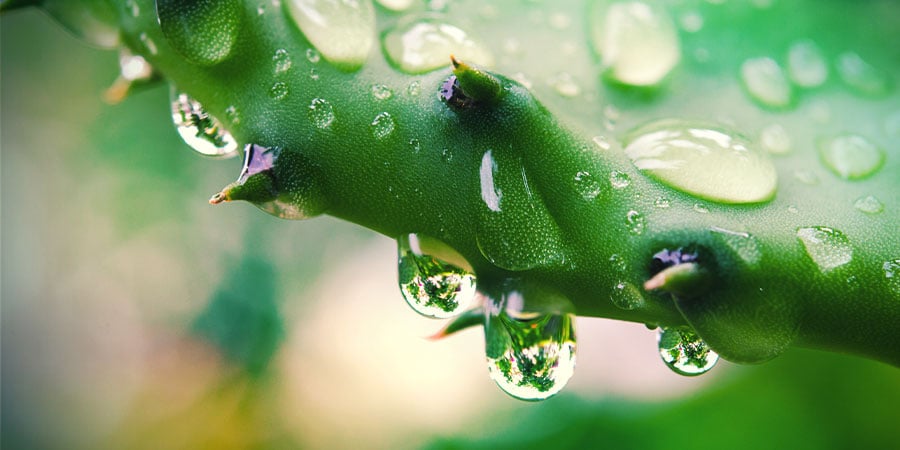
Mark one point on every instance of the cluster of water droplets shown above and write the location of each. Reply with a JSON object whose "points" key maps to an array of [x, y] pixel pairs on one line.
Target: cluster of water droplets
{"points": [[433, 286], [201, 131]]}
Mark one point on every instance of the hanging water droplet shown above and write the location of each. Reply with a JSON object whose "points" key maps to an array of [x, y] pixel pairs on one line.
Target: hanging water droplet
{"points": [[396, 5], [312, 55], [637, 41], [619, 180], [382, 126], [806, 64], [775, 139], [279, 91], [320, 113], [343, 31], [869, 205], [203, 132], [381, 92], [530, 355], [705, 161], [861, 76], [766, 82], [743, 244], [892, 274], [587, 185], [564, 85], [626, 296], [282, 60], [827, 247], [431, 285], [203, 31], [424, 45], [661, 202], [635, 222], [684, 352], [851, 156]]}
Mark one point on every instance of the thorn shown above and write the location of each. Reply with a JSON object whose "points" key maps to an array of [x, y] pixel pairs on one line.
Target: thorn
{"points": [[455, 62], [475, 82], [685, 279]]}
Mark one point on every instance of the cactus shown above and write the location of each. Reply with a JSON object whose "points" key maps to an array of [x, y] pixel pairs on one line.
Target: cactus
{"points": [[730, 183]]}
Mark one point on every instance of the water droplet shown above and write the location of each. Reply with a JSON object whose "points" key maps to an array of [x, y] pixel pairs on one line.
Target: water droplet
{"points": [[381, 92], [793, 209], [382, 126], [851, 156], [691, 21], [148, 43], [279, 91], [766, 82], [313, 74], [705, 161], [134, 67], [233, 115], [861, 76], [700, 208], [282, 61], [892, 274], [775, 139], [516, 231], [203, 31], [530, 355], [806, 177], [203, 132], [559, 21], [626, 296], [661, 202], [312, 55], [587, 185], [431, 285], [635, 222], [619, 180], [520, 78], [424, 45], [343, 31], [637, 41], [869, 205], [415, 145], [320, 113], [396, 5], [564, 85], [743, 244], [618, 263], [413, 89], [806, 64], [827, 247], [602, 142], [684, 352]]}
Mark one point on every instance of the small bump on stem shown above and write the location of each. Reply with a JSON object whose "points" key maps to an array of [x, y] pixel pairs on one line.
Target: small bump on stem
{"points": [[219, 198], [476, 83]]}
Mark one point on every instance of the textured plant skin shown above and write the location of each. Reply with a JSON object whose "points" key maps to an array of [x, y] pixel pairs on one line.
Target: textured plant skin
{"points": [[424, 177]]}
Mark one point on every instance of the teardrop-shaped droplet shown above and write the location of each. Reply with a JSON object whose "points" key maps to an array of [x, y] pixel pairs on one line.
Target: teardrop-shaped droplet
{"points": [[320, 113], [203, 132], [709, 162], [515, 231], [382, 126], [626, 296], [766, 82], [203, 31], [684, 352], [861, 76], [530, 355], [869, 204], [826, 247], [432, 286], [636, 40], [743, 244], [851, 156], [343, 31], [424, 45], [806, 64]]}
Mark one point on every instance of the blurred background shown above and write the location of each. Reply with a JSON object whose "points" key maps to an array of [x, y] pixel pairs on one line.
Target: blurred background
{"points": [[135, 315]]}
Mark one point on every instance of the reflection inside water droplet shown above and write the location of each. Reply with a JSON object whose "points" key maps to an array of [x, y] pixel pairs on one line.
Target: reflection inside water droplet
{"points": [[684, 352], [432, 286], [201, 131]]}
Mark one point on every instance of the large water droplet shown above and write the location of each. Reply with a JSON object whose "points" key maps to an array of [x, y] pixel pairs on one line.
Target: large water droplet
{"points": [[827, 247], [587, 185], [861, 76], [851, 156], [516, 231], [383, 125], [342, 30], [766, 82], [806, 65], [706, 161], [637, 41], [626, 296], [684, 352], [530, 355], [432, 286], [424, 45], [869, 204], [892, 274], [743, 244], [203, 132], [321, 113], [203, 31], [775, 139]]}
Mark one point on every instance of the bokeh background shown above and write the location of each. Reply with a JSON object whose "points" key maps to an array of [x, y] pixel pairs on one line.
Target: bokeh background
{"points": [[135, 315]]}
